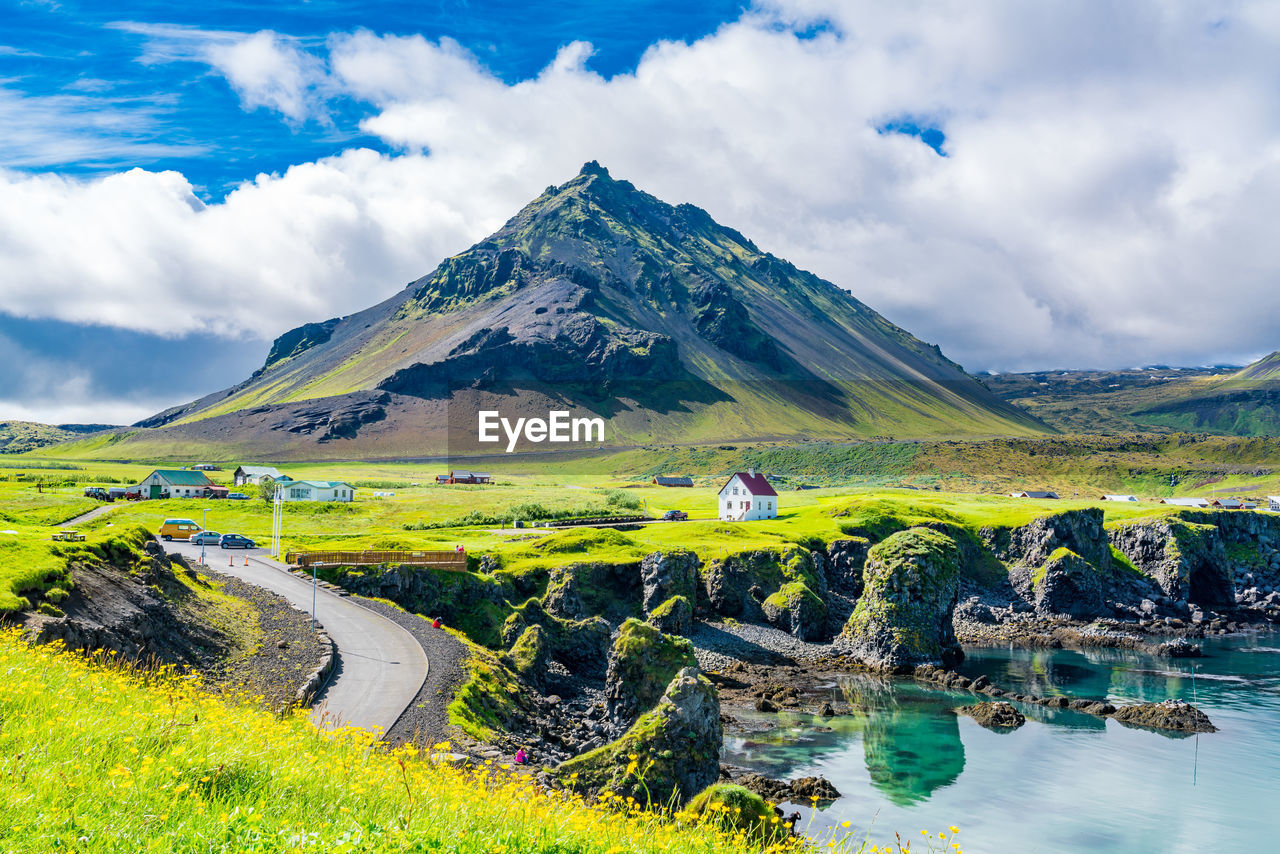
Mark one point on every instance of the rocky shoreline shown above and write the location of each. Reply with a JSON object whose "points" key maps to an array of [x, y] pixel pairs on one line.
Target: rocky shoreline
{"points": [[584, 658]]}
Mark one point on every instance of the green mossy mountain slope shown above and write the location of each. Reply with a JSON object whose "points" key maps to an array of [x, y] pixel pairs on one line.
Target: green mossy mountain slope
{"points": [[602, 298]]}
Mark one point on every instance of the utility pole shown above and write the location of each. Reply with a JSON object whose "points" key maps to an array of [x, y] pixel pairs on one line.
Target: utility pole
{"points": [[277, 520], [204, 526]]}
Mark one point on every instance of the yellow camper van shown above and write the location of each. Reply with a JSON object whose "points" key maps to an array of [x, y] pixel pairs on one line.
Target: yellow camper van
{"points": [[178, 529]]}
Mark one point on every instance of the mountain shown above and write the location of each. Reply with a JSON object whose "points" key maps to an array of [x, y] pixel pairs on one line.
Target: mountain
{"points": [[602, 299], [18, 437], [1099, 402], [1245, 403]]}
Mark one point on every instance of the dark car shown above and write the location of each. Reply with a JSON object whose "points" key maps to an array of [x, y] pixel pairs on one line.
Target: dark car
{"points": [[236, 541], [206, 538], [237, 496], [675, 516]]}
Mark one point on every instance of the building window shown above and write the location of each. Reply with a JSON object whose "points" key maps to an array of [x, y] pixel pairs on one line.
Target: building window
{"points": [[735, 490]]}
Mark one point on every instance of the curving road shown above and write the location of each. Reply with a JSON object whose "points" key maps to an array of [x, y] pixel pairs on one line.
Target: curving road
{"points": [[380, 667]]}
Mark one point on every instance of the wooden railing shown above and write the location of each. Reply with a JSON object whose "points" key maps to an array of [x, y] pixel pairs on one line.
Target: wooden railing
{"points": [[452, 560]]}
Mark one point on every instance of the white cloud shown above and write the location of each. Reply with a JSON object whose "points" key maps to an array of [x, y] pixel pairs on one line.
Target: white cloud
{"points": [[1111, 178], [269, 71]]}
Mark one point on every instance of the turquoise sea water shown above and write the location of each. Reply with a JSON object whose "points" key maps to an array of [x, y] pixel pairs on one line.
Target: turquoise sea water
{"points": [[1065, 781]]}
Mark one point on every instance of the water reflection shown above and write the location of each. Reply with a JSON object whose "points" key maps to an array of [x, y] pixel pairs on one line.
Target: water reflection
{"points": [[910, 741], [1065, 782]]}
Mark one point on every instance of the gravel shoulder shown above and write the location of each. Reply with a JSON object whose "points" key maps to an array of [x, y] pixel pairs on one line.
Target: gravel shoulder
{"points": [[286, 652], [426, 720]]}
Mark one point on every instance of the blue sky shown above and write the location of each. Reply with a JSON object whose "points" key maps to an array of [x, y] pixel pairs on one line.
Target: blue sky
{"points": [[86, 60], [1069, 183], [99, 58]]}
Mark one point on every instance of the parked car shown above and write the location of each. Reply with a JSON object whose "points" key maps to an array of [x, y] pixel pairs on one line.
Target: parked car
{"points": [[675, 516], [236, 541], [237, 496], [206, 538]]}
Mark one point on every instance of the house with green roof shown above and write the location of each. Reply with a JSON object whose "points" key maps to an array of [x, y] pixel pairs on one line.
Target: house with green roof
{"points": [[317, 490], [175, 483]]}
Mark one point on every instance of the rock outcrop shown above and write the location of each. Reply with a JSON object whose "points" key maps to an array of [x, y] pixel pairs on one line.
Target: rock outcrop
{"points": [[529, 656], [670, 584], [641, 665], [667, 574], [911, 582], [999, 717], [1176, 715], [677, 745], [1067, 584], [1032, 544], [796, 609], [673, 617], [845, 559], [582, 646], [800, 790], [738, 585], [1186, 559]]}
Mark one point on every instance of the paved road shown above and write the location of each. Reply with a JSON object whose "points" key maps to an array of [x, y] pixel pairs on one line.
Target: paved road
{"points": [[380, 665], [100, 510]]}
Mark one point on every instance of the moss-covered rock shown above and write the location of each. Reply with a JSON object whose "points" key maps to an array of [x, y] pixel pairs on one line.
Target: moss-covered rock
{"points": [[529, 656], [796, 609], [737, 584], [673, 617], [473, 603], [492, 701], [564, 597], [667, 574], [1031, 544], [904, 616], [1067, 584], [732, 808], [1186, 559], [642, 663], [594, 588], [580, 645], [670, 752]]}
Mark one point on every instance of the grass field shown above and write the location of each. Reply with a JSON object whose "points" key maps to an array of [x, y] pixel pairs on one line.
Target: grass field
{"points": [[846, 488], [98, 759]]}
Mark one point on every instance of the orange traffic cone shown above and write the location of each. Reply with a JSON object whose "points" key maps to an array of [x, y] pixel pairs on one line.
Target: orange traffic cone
{"points": [[233, 560], [246, 560]]}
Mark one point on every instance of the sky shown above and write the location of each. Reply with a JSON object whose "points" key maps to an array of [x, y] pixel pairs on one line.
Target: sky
{"points": [[1059, 184]]}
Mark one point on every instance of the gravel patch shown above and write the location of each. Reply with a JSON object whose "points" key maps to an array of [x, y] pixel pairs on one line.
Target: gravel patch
{"points": [[718, 645], [289, 651], [426, 721]]}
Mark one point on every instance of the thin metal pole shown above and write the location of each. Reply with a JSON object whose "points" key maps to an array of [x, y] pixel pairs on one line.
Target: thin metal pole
{"points": [[313, 597]]}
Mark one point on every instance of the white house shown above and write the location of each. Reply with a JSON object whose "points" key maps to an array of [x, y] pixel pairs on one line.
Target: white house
{"points": [[245, 475], [1119, 498], [318, 490], [174, 483], [747, 497], [1273, 503], [1186, 502]]}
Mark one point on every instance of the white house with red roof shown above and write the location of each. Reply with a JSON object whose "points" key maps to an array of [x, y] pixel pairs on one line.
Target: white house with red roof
{"points": [[747, 497]]}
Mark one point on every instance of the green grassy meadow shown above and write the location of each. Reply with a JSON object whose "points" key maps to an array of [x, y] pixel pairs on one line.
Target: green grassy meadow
{"points": [[826, 491]]}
